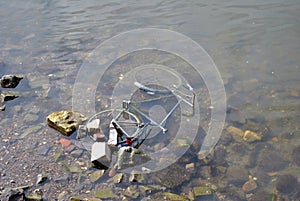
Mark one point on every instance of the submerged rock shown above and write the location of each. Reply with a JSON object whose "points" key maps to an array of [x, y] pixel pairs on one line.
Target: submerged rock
{"points": [[237, 175], [132, 192], [169, 196], [41, 178], [35, 196], [96, 175], [172, 176], [286, 183], [105, 193], [202, 190], [270, 161], [135, 176], [12, 194], [250, 136], [249, 186], [7, 96], [10, 81], [118, 178], [296, 155], [66, 121]]}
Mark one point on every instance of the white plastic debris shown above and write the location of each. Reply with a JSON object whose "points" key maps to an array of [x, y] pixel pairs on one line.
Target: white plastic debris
{"points": [[113, 135], [101, 153]]}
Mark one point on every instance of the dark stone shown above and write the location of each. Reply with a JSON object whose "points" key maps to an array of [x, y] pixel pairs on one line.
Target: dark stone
{"points": [[219, 157], [237, 175], [10, 81], [229, 194], [7, 96], [13, 195], [270, 161], [259, 196], [296, 155], [172, 176], [286, 183]]}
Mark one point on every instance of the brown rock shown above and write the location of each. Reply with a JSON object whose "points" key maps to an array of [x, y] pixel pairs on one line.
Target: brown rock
{"points": [[249, 186], [237, 134]]}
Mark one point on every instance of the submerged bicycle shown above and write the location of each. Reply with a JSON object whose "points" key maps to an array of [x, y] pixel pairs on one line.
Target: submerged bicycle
{"points": [[126, 128]]}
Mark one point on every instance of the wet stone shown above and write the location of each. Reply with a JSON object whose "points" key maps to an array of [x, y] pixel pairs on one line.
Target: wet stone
{"points": [[96, 175], [74, 169], [249, 186], [12, 194], [286, 183], [7, 96], [36, 81], [169, 196], [41, 178], [237, 175], [10, 81], [105, 193], [202, 190], [132, 192], [118, 178], [172, 176], [35, 196], [66, 121], [77, 153], [270, 161], [135, 176], [30, 130], [62, 180], [43, 149], [296, 155], [28, 118]]}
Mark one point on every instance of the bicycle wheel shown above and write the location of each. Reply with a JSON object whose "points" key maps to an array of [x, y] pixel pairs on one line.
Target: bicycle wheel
{"points": [[156, 79]]}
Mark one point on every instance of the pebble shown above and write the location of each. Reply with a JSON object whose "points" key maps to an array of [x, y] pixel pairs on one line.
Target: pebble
{"points": [[41, 179], [65, 142], [96, 175], [118, 178], [190, 167], [249, 186]]}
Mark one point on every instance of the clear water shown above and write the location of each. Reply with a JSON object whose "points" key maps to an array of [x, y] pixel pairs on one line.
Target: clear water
{"points": [[255, 45]]}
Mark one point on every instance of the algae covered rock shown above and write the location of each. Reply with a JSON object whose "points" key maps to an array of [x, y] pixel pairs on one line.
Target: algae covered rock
{"points": [[66, 121], [169, 196], [202, 190], [105, 193]]}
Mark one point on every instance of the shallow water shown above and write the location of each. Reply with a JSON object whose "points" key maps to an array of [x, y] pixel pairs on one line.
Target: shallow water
{"points": [[255, 46]]}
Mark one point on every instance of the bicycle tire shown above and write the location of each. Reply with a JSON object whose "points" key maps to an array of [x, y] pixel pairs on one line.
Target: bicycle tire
{"points": [[163, 79]]}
